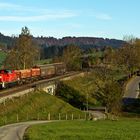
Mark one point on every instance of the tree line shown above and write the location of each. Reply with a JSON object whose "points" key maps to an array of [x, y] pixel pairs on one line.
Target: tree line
{"points": [[26, 51]]}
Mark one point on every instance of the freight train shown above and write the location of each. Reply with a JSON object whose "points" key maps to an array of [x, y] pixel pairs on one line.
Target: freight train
{"points": [[10, 77]]}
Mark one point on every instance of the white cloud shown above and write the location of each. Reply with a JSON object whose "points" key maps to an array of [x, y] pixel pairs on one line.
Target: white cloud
{"points": [[32, 14], [98, 14], [75, 25], [9, 5], [20, 8], [36, 18], [103, 16]]}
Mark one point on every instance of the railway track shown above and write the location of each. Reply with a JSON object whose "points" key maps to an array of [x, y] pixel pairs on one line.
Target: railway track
{"points": [[14, 90]]}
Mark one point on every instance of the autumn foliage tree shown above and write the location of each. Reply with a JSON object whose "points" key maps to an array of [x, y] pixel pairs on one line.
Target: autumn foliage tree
{"points": [[129, 55], [72, 57], [108, 55], [109, 91], [25, 52]]}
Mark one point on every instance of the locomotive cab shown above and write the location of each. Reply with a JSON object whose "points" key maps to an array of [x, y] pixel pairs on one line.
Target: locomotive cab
{"points": [[7, 77]]}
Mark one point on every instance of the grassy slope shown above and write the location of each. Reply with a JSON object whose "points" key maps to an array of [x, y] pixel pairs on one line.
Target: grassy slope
{"points": [[86, 130], [84, 85], [35, 105]]}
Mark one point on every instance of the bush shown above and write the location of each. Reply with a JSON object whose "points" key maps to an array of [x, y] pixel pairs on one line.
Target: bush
{"points": [[70, 95]]}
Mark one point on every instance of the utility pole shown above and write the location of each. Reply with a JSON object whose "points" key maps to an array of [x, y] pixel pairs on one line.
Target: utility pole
{"points": [[87, 92], [87, 102]]}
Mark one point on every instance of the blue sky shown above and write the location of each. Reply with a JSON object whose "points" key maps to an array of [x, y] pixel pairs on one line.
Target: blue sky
{"points": [[59, 18]]}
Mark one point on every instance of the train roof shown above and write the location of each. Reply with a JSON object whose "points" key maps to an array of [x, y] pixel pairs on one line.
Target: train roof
{"points": [[53, 64]]}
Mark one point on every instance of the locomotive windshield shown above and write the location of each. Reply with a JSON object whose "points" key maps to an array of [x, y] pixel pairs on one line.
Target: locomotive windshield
{"points": [[5, 71]]}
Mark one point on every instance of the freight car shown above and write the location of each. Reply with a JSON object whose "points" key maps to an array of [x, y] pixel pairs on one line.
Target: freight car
{"points": [[27, 75], [8, 77], [60, 68], [47, 70], [52, 69]]}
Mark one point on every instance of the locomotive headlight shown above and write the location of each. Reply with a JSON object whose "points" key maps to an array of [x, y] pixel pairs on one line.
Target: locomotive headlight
{"points": [[0, 76]]}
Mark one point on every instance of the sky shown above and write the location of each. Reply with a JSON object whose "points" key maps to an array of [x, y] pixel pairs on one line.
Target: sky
{"points": [[60, 18]]}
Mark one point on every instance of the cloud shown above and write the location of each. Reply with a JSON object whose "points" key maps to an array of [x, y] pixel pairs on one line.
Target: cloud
{"points": [[75, 25], [9, 5], [36, 18], [19, 8], [98, 14], [32, 14], [103, 16]]}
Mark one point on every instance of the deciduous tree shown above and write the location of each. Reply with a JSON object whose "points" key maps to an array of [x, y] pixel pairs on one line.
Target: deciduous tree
{"points": [[72, 57], [109, 91], [25, 52], [128, 56]]}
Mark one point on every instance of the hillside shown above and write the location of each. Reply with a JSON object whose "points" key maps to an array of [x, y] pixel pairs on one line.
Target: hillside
{"points": [[80, 41], [51, 46], [7, 40], [35, 106], [83, 42]]}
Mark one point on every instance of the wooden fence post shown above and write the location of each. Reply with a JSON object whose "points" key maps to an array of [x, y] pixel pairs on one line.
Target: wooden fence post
{"points": [[89, 116], [66, 117], [17, 118], [49, 116], [71, 116], [38, 116], [27, 117], [59, 116], [79, 117], [4, 103], [85, 116]]}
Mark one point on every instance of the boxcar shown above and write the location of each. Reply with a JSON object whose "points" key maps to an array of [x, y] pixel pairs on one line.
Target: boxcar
{"points": [[47, 70], [60, 68]]}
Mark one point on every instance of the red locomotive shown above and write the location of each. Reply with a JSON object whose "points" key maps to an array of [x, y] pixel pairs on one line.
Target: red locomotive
{"points": [[8, 77]]}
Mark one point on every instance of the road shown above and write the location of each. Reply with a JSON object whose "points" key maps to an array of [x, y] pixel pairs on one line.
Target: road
{"points": [[16, 131], [132, 88]]}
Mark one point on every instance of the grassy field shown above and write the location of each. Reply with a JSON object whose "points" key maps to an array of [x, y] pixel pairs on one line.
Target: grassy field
{"points": [[36, 106], [127, 129]]}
